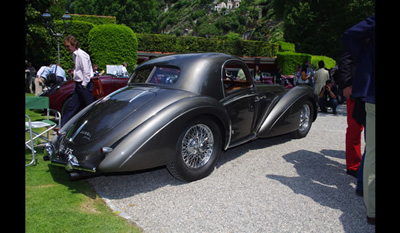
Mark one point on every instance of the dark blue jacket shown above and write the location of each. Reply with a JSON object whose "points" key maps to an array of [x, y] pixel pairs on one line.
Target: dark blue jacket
{"points": [[359, 40]]}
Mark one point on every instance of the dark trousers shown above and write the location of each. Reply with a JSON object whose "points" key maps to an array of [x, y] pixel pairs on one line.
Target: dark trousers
{"points": [[323, 103], [80, 99]]}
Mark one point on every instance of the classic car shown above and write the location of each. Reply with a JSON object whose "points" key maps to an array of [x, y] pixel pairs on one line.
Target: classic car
{"points": [[59, 95], [179, 111]]}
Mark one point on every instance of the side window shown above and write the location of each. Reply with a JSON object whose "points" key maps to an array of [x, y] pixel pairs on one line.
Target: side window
{"points": [[164, 75], [156, 75], [234, 77]]}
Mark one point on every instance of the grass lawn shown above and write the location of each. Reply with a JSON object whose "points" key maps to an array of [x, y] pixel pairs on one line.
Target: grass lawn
{"points": [[55, 204]]}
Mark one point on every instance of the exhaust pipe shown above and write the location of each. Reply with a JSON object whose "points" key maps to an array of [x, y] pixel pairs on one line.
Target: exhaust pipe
{"points": [[74, 176], [79, 175]]}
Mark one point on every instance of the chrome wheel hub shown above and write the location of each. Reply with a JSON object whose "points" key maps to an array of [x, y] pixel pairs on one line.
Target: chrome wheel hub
{"points": [[305, 115], [197, 146]]}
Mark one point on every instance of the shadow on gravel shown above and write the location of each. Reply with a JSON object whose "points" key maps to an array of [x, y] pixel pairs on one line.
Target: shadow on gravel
{"points": [[326, 182], [125, 185], [236, 152], [341, 111]]}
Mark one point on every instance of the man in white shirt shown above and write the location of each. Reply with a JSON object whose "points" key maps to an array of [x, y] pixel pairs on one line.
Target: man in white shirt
{"points": [[41, 73], [48, 76], [59, 71], [320, 77], [82, 95], [124, 70]]}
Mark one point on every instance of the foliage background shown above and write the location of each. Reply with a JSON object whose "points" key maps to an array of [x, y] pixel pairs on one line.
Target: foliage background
{"points": [[313, 26], [316, 26], [80, 30]]}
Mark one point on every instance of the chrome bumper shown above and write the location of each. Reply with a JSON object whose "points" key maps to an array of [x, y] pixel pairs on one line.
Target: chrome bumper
{"points": [[71, 163]]}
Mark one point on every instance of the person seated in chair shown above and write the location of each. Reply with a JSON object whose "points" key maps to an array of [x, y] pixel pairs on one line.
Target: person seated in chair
{"points": [[328, 97]]}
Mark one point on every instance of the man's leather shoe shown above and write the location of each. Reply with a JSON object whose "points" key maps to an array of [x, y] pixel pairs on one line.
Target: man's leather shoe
{"points": [[371, 220], [352, 173]]}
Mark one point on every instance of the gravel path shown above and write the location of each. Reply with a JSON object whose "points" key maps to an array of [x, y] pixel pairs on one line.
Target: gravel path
{"points": [[268, 185]]}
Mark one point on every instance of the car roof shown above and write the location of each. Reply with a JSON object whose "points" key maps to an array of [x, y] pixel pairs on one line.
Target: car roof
{"points": [[199, 72]]}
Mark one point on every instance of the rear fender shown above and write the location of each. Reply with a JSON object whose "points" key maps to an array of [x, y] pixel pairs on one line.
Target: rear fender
{"points": [[286, 110], [153, 143]]}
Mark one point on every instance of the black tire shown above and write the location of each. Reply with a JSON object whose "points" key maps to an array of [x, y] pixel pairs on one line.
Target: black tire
{"points": [[306, 119], [197, 150]]}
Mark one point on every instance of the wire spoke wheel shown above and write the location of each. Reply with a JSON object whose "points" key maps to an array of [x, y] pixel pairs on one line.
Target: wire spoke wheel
{"points": [[197, 146], [197, 151]]}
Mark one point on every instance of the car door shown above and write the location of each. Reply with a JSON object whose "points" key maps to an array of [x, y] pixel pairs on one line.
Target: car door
{"points": [[106, 81], [119, 82], [240, 101]]}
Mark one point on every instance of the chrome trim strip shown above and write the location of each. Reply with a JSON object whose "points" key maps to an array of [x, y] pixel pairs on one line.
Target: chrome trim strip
{"points": [[229, 136], [141, 94], [77, 131], [70, 167]]}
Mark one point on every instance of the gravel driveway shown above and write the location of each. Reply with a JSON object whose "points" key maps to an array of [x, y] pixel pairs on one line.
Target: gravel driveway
{"points": [[268, 185]]}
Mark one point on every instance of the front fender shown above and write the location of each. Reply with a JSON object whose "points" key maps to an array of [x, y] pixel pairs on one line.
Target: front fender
{"points": [[58, 94], [153, 143], [287, 107]]}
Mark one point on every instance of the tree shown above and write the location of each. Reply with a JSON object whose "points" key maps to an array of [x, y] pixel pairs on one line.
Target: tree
{"points": [[139, 15], [38, 40], [313, 25]]}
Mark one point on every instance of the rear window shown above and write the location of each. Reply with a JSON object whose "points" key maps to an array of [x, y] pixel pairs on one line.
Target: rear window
{"points": [[156, 75]]}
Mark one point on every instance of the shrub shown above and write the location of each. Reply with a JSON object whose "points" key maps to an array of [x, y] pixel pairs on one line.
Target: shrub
{"points": [[94, 19], [258, 48], [111, 44], [186, 44], [286, 46], [156, 42], [289, 61], [329, 62]]}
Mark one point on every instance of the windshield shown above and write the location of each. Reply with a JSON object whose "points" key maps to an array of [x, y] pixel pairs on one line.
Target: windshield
{"points": [[156, 75]]}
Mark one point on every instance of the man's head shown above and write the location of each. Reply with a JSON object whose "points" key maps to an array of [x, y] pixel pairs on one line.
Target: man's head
{"points": [[321, 64], [71, 43], [329, 83]]}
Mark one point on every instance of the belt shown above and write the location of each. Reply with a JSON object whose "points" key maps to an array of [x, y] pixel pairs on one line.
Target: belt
{"points": [[82, 81]]}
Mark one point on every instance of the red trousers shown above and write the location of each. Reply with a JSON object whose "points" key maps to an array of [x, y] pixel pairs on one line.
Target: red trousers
{"points": [[353, 139]]}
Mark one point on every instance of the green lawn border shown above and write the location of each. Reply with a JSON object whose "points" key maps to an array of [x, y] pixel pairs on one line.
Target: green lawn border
{"points": [[53, 203]]}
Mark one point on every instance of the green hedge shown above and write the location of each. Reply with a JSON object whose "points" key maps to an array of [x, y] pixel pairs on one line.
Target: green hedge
{"points": [[156, 42], [286, 46], [186, 44], [259, 48], [94, 19], [289, 61], [111, 44], [329, 62]]}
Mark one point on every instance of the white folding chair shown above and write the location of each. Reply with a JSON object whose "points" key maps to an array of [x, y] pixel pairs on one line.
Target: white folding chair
{"points": [[44, 126]]}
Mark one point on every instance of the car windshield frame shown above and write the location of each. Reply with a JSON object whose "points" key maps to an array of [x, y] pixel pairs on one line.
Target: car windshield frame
{"points": [[156, 75]]}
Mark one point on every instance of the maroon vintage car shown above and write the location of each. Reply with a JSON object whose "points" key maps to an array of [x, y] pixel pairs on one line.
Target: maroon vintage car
{"points": [[60, 95]]}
